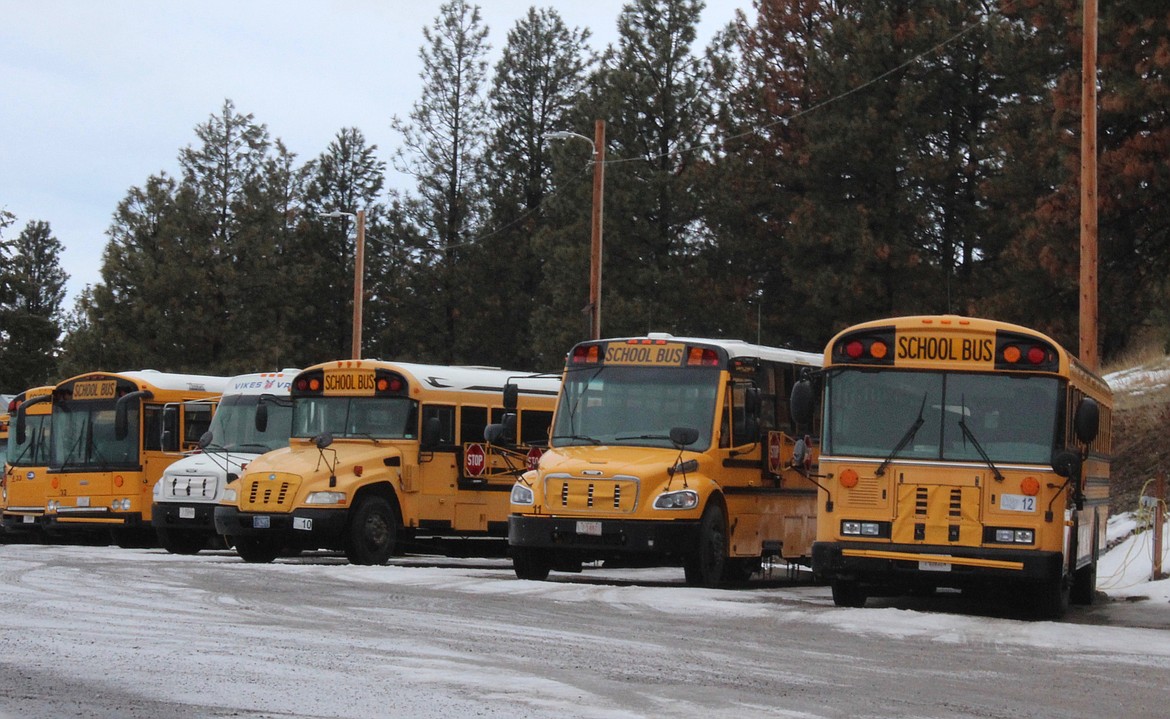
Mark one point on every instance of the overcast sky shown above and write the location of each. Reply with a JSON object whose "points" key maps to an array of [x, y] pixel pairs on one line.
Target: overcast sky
{"points": [[95, 97]]}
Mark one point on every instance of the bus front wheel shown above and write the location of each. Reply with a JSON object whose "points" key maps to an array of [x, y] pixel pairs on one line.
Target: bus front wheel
{"points": [[256, 550], [373, 532], [848, 593], [178, 541], [704, 566], [533, 564]]}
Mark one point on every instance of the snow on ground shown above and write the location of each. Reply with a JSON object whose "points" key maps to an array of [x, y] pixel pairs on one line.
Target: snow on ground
{"points": [[1125, 570], [1147, 378]]}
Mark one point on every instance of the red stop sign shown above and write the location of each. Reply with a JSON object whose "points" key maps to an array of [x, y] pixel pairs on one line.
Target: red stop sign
{"points": [[534, 457], [474, 460], [774, 440]]}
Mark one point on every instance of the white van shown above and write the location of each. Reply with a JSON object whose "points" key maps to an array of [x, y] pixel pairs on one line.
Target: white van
{"points": [[185, 498]]}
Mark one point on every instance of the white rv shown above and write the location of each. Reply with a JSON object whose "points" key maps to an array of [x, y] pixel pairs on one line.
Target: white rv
{"points": [[254, 417]]}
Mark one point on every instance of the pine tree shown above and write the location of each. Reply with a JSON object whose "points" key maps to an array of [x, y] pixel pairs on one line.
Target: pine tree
{"points": [[30, 318], [540, 77], [443, 145]]}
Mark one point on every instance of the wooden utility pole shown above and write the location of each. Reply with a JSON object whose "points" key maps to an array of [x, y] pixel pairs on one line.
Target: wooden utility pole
{"points": [[1088, 279]]}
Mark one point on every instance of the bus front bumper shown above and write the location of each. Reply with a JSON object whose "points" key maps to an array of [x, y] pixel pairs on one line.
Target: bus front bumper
{"points": [[602, 538], [302, 526], [198, 516], [893, 564]]}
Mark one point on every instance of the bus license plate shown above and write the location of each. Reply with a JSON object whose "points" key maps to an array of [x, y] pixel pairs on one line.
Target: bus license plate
{"points": [[934, 566], [262, 521], [28, 519], [593, 529], [186, 513]]}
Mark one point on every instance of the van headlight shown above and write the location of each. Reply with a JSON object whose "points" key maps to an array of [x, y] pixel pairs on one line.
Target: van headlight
{"points": [[682, 499], [522, 494]]}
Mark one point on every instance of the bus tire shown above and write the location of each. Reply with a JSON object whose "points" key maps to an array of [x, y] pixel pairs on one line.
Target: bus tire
{"points": [[1084, 584], [532, 564], [1052, 599], [848, 593], [738, 571], [178, 541], [257, 550], [704, 566], [372, 532]]}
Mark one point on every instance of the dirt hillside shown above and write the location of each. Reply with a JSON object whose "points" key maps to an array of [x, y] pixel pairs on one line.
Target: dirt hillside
{"points": [[1141, 428]]}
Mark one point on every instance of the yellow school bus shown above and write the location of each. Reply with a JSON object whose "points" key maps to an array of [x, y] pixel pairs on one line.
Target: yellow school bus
{"points": [[961, 452], [111, 437], [671, 450], [387, 451], [26, 468]]}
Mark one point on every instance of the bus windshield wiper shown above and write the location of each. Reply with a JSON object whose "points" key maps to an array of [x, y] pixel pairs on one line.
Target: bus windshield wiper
{"points": [[583, 438], [909, 435], [967, 433], [642, 436]]}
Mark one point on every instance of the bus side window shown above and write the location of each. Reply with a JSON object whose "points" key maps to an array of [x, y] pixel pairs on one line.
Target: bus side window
{"points": [[442, 417], [472, 420], [196, 421], [153, 428], [534, 426]]}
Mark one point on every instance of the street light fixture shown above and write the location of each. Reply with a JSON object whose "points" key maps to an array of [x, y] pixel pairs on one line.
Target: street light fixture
{"points": [[358, 276], [598, 145]]}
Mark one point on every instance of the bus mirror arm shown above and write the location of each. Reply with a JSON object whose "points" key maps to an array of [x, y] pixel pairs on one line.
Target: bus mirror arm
{"points": [[21, 423], [121, 408]]}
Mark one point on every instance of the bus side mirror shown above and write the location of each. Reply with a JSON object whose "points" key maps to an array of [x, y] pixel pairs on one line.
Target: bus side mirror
{"points": [[683, 436], [206, 439], [262, 417], [503, 432], [493, 433], [1087, 420], [432, 432], [511, 397], [1066, 463], [753, 400], [800, 403]]}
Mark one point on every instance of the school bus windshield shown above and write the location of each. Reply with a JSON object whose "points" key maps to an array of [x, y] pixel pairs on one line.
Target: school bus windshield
{"points": [[1011, 418], [83, 437], [233, 428], [35, 450], [355, 417], [636, 406]]}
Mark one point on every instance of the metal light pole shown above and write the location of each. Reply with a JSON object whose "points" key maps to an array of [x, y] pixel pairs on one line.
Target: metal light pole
{"points": [[598, 145], [358, 276]]}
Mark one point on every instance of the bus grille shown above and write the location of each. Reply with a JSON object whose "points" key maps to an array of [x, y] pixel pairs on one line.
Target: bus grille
{"points": [[193, 487], [267, 493], [589, 494]]}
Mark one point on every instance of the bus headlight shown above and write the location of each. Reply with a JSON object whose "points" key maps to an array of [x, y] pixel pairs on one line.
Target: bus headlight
{"points": [[120, 504], [851, 528], [229, 496], [1009, 535], [682, 499], [325, 498], [522, 494]]}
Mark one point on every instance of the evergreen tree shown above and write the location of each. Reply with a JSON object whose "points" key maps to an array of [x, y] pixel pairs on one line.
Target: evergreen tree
{"points": [[346, 178], [540, 77], [30, 318], [443, 145]]}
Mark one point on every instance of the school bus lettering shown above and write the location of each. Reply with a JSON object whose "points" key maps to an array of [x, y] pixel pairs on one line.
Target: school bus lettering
{"points": [[946, 349], [349, 383], [645, 355], [102, 389]]}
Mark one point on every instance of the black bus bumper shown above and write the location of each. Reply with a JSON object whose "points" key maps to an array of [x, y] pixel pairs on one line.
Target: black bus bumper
{"points": [[308, 528], [590, 539]]}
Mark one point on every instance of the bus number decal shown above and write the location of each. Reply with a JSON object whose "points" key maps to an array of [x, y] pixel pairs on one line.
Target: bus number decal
{"points": [[1017, 503], [670, 355], [100, 389]]}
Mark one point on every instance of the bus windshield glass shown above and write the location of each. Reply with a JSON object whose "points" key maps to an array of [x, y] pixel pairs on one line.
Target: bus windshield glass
{"points": [[1011, 418], [83, 437], [355, 417], [233, 428], [35, 450], [635, 406]]}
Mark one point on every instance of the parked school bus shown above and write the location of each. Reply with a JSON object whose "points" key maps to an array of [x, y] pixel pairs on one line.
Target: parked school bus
{"points": [[385, 451], [254, 416], [26, 467], [961, 452], [670, 450], [111, 437]]}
